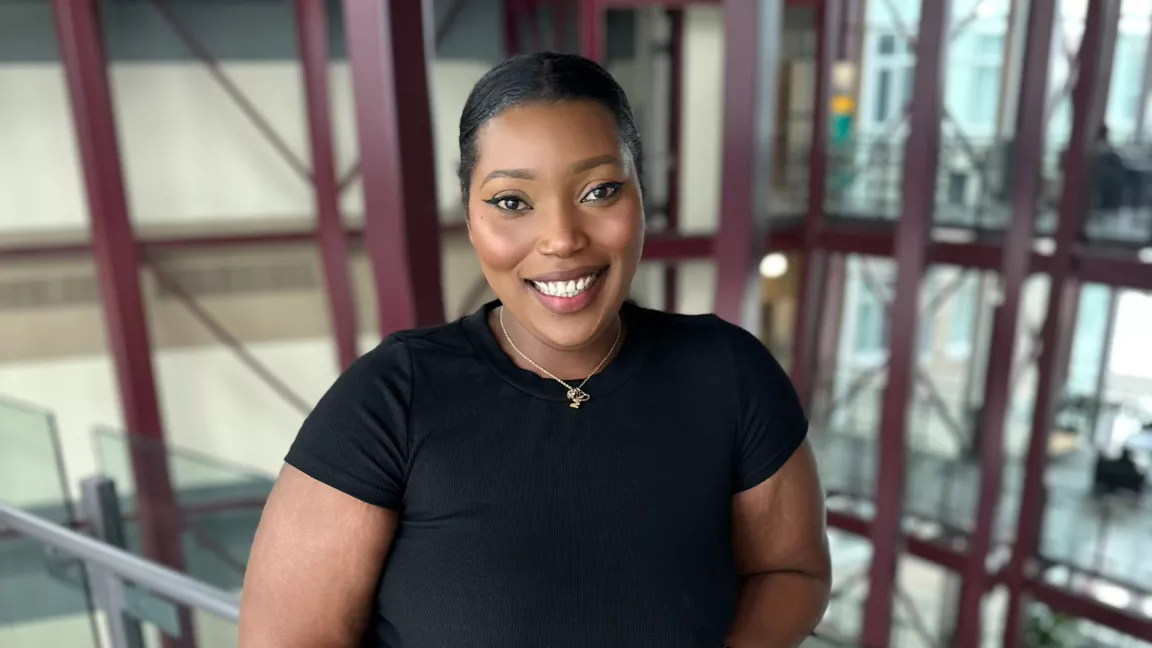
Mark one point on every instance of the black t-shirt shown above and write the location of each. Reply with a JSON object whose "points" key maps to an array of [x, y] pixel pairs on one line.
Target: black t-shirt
{"points": [[525, 522]]}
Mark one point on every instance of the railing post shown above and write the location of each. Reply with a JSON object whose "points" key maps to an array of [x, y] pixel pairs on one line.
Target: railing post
{"points": [[100, 507]]}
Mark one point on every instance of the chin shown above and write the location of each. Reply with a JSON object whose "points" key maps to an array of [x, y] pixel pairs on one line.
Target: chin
{"points": [[569, 337], [574, 331]]}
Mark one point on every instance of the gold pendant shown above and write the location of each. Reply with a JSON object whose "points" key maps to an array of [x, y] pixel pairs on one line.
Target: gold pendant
{"points": [[577, 396]]}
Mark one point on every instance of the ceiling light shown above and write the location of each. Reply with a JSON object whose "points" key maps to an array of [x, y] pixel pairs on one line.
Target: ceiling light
{"points": [[773, 266]]}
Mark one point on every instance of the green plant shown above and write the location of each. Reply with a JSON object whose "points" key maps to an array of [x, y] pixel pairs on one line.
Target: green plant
{"points": [[1050, 630]]}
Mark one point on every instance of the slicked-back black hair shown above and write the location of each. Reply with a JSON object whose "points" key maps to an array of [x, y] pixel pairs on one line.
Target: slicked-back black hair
{"points": [[543, 77]]}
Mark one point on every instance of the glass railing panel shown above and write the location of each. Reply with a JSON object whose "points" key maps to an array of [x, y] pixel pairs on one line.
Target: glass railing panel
{"points": [[183, 627], [31, 470], [215, 505], [44, 599]]}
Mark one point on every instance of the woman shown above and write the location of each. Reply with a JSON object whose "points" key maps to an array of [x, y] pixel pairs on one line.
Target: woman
{"points": [[562, 468]]}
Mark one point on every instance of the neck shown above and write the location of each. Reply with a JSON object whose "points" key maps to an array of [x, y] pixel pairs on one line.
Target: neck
{"points": [[568, 365]]}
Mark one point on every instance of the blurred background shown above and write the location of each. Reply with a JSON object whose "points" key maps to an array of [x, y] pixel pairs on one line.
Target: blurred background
{"points": [[936, 213]]}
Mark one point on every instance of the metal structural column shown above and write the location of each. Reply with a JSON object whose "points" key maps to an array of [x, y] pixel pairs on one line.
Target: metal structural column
{"points": [[809, 301], [117, 260], [675, 123], [591, 29], [512, 10], [1016, 255], [312, 33], [921, 158], [389, 59], [752, 31], [1089, 100]]}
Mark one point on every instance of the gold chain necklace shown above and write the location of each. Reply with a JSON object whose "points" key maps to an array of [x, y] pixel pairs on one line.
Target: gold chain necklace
{"points": [[575, 394]]}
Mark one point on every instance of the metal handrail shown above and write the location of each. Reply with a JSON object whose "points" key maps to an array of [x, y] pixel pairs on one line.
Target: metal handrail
{"points": [[176, 587]]}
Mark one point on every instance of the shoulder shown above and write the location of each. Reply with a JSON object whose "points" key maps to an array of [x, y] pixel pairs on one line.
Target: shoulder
{"points": [[707, 333], [412, 349]]}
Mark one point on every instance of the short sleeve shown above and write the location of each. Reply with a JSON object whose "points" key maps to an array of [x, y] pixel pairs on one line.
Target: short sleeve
{"points": [[356, 439], [771, 422]]}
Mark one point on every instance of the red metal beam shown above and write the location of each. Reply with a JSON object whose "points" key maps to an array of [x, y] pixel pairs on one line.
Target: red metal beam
{"points": [[1089, 100], [1118, 271], [660, 247], [1082, 607], [912, 234], [923, 549], [750, 72], [1017, 251], [117, 260], [671, 4], [675, 122], [559, 25], [809, 300], [312, 33], [512, 10], [591, 35], [388, 56]]}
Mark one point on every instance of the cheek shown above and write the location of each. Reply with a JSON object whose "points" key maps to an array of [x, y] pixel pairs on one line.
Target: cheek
{"points": [[499, 247], [622, 231]]}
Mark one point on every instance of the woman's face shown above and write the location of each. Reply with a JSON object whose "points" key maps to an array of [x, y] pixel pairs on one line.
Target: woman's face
{"points": [[556, 217]]}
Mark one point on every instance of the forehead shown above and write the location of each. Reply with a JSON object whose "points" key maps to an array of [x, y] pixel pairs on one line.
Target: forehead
{"points": [[543, 135]]}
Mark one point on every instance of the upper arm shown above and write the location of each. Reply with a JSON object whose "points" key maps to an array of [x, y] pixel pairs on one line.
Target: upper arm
{"points": [[778, 509], [779, 525], [330, 519], [314, 566]]}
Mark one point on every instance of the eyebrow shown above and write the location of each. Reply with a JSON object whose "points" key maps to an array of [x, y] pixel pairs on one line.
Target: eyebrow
{"points": [[526, 174]]}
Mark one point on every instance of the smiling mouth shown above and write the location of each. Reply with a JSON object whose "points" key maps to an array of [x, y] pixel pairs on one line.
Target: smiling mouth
{"points": [[567, 289]]}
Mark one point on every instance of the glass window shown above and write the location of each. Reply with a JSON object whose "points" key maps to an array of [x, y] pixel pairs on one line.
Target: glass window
{"points": [[887, 44], [1089, 339], [883, 83], [963, 319], [985, 92], [906, 89]]}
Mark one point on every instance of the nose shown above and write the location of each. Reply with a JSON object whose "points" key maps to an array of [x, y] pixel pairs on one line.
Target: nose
{"points": [[563, 234]]}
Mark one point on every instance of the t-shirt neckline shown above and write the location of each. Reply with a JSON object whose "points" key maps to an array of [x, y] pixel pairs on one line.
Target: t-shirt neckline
{"points": [[611, 377]]}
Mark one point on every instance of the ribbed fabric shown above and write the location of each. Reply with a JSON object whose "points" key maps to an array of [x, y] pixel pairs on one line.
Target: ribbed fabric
{"points": [[526, 523]]}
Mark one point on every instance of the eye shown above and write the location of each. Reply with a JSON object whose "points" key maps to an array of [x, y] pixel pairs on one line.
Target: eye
{"points": [[508, 203], [602, 191]]}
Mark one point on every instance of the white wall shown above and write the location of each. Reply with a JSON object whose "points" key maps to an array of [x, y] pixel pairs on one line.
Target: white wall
{"points": [[702, 100], [190, 157]]}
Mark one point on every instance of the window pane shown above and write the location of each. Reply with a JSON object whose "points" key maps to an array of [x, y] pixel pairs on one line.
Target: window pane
{"points": [[883, 83], [887, 44]]}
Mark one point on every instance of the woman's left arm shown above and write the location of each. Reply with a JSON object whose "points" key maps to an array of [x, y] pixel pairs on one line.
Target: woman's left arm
{"points": [[781, 550]]}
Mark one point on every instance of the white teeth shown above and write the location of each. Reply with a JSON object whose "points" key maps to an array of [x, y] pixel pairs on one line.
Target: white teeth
{"points": [[567, 288]]}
